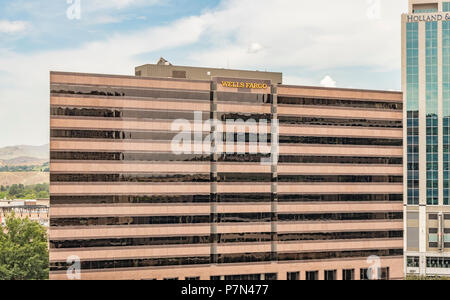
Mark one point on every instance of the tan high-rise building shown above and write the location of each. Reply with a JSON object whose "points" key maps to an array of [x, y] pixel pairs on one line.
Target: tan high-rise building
{"points": [[426, 86], [130, 206]]}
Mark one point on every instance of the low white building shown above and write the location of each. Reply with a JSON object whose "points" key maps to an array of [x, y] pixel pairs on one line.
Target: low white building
{"points": [[36, 210]]}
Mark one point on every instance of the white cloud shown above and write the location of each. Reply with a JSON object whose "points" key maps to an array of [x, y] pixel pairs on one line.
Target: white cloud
{"points": [[12, 27], [24, 78], [300, 35], [255, 48], [327, 81], [305, 34]]}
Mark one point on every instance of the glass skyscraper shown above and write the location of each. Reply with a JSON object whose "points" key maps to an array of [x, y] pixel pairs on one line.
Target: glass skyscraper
{"points": [[426, 86]]}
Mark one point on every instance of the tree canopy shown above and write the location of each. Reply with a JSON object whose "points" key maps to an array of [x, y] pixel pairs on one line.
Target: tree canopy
{"points": [[23, 250], [20, 191]]}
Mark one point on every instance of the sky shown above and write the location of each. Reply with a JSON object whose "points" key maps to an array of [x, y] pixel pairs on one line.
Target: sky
{"points": [[345, 43]]}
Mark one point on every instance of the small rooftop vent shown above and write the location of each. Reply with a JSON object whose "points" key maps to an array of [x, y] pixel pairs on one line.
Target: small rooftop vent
{"points": [[163, 62]]}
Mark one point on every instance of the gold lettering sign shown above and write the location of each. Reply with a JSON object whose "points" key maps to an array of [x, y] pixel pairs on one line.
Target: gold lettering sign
{"points": [[244, 85]]}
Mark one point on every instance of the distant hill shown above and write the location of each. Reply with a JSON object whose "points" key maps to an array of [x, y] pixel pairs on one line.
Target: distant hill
{"points": [[23, 161], [25, 178], [24, 155], [27, 165]]}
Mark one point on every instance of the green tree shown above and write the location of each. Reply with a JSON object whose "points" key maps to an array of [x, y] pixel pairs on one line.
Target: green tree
{"points": [[16, 190], [43, 195], [41, 187], [23, 250]]}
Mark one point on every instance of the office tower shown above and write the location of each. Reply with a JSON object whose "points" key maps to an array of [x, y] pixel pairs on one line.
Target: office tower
{"points": [[426, 86], [329, 206]]}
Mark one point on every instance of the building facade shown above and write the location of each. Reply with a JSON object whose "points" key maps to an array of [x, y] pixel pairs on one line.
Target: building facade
{"points": [[35, 210], [426, 86], [330, 206]]}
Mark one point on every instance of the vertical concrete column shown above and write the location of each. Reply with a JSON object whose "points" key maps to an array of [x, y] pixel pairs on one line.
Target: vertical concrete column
{"points": [[358, 273], [322, 275], [282, 275], [274, 188], [213, 177], [339, 274], [204, 277]]}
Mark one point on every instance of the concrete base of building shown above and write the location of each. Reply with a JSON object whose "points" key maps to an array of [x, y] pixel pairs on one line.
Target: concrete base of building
{"points": [[395, 265]]}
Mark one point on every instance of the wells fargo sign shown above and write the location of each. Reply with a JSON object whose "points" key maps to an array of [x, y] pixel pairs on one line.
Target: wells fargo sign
{"points": [[244, 85]]}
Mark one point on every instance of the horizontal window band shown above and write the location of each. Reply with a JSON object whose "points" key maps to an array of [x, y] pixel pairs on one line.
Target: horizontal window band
{"points": [[341, 254], [152, 136], [222, 218], [224, 116], [128, 156], [169, 115], [238, 198], [341, 198], [123, 113], [242, 277], [221, 177], [57, 89], [65, 89], [120, 135], [339, 141], [340, 160], [155, 241], [339, 217], [107, 199], [341, 122], [122, 221], [152, 157], [133, 263], [130, 242], [245, 277], [304, 101], [170, 157], [226, 137], [325, 236], [339, 178], [223, 198], [115, 113], [257, 237], [226, 259], [129, 177]]}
